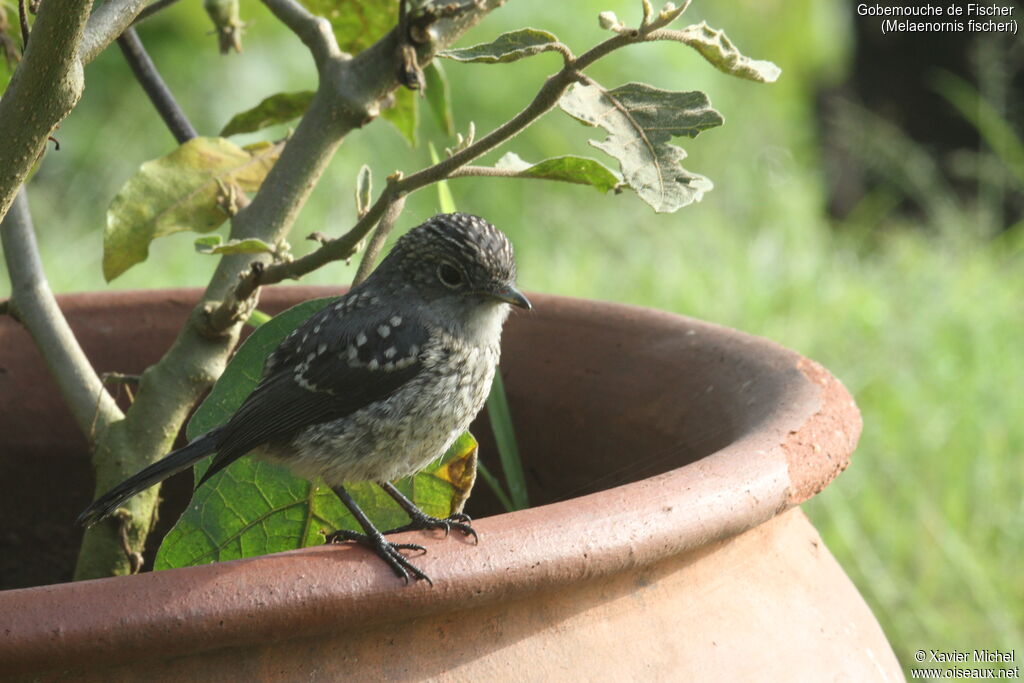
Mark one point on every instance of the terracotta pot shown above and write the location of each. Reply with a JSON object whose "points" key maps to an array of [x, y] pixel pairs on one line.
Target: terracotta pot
{"points": [[666, 457]]}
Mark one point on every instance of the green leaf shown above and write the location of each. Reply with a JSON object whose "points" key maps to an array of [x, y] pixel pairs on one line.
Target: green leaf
{"points": [[570, 169], [357, 24], [10, 42], [445, 199], [254, 508], [508, 47], [404, 114], [179, 192], [505, 438], [716, 47], [640, 121], [213, 244], [439, 97], [279, 108]]}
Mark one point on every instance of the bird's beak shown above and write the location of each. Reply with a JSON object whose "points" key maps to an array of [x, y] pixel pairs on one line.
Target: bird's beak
{"points": [[511, 295]]}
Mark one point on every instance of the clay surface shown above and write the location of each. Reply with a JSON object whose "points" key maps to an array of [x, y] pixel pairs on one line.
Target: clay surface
{"points": [[660, 451]]}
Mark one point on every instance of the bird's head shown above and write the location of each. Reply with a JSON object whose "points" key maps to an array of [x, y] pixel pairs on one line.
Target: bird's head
{"points": [[460, 266]]}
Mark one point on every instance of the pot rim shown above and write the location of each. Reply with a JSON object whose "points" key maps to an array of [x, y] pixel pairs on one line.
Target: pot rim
{"points": [[801, 444]]}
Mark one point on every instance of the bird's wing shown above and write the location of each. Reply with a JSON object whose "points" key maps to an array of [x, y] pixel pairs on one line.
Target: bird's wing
{"points": [[335, 363]]}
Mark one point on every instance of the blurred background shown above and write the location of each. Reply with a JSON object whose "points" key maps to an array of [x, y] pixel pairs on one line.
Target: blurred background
{"points": [[867, 212]]}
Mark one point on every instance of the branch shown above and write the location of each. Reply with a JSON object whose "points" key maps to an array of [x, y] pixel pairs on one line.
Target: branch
{"points": [[547, 97], [46, 85], [150, 10], [380, 237], [149, 78], [108, 22], [315, 32], [33, 304]]}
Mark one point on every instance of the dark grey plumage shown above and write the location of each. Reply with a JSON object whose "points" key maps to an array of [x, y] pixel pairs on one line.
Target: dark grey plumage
{"points": [[380, 382]]}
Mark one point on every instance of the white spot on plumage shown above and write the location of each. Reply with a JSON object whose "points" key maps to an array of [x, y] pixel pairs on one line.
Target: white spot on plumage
{"points": [[321, 349], [390, 353], [384, 331], [373, 364], [396, 320], [360, 339], [316, 329]]}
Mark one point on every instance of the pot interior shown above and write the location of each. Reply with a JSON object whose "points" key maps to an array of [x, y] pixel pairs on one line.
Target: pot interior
{"points": [[600, 395]]}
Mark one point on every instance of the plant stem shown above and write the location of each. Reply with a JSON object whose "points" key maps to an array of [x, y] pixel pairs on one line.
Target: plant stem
{"points": [[33, 304], [380, 237], [149, 78], [546, 98], [152, 9]]}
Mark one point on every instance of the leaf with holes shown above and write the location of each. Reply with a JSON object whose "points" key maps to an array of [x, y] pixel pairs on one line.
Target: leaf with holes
{"points": [[254, 508], [508, 47], [280, 108], [640, 121], [716, 47], [179, 192], [569, 169]]}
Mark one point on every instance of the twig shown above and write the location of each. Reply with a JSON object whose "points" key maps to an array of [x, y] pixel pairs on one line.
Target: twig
{"points": [[23, 21], [149, 78], [105, 24], [36, 308], [545, 99], [315, 32], [380, 237], [150, 10]]}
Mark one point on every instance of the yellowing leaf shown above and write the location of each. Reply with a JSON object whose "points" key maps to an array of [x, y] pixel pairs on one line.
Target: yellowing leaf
{"points": [[179, 192]]}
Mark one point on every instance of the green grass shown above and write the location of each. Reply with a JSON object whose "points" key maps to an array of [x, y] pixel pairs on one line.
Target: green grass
{"points": [[923, 325]]}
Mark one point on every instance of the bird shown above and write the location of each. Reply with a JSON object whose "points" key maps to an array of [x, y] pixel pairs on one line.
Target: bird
{"points": [[377, 384]]}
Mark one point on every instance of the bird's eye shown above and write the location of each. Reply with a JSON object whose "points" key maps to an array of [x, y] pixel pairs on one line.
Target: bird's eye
{"points": [[449, 275]]}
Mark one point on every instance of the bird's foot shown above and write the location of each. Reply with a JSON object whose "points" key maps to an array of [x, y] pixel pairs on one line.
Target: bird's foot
{"points": [[424, 522], [387, 551]]}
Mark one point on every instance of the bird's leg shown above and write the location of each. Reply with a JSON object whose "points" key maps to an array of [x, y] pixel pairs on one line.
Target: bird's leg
{"points": [[421, 520], [374, 540]]}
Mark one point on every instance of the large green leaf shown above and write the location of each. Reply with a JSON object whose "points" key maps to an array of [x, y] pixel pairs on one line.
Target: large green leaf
{"points": [[716, 47], [254, 508], [404, 114], [439, 97], [10, 42], [279, 108], [508, 47], [569, 169], [640, 121], [179, 192], [358, 24]]}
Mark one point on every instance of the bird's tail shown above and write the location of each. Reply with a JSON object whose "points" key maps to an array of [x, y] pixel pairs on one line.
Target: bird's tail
{"points": [[171, 464]]}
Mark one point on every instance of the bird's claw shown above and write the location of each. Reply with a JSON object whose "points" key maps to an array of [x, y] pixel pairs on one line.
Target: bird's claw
{"points": [[424, 522], [387, 551]]}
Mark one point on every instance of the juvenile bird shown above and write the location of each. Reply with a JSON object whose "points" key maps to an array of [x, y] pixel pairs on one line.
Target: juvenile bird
{"points": [[376, 385]]}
